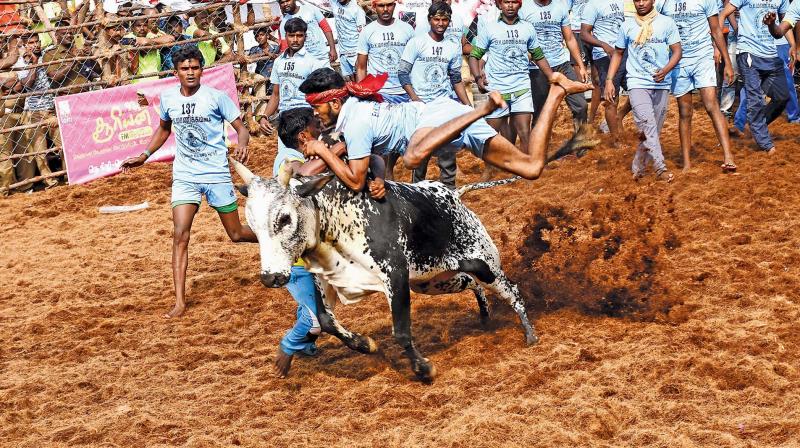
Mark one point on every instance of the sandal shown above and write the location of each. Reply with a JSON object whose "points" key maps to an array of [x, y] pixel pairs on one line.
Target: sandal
{"points": [[665, 176], [728, 167]]}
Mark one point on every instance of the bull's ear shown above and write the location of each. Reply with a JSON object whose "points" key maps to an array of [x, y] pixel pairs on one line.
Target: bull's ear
{"points": [[242, 189], [313, 185]]}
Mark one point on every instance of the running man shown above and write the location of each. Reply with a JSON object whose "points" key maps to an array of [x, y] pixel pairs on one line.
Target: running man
{"points": [[380, 46], [417, 129], [198, 114], [509, 41], [760, 66], [550, 19], [600, 25], [288, 71], [430, 68], [319, 34], [698, 25], [654, 49], [350, 20]]}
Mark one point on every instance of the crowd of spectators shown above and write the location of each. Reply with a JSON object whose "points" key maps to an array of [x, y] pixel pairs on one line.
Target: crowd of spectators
{"points": [[65, 47]]}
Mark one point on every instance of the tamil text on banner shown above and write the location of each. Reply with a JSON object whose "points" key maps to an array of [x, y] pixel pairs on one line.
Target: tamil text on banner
{"points": [[101, 128]]}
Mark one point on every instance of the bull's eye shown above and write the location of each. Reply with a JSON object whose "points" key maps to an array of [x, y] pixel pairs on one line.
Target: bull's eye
{"points": [[283, 221]]}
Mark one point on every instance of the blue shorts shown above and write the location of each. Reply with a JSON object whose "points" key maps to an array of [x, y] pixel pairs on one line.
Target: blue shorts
{"points": [[347, 67], [689, 75], [220, 197], [518, 102], [442, 110]]}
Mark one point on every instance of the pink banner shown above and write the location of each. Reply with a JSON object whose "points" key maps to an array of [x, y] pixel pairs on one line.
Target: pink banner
{"points": [[101, 128]]}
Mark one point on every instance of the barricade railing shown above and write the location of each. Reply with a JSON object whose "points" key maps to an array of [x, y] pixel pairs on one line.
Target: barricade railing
{"points": [[30, 146]]}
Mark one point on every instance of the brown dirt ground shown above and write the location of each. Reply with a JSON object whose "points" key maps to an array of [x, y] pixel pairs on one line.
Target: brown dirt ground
{"points": [[667, 316]]}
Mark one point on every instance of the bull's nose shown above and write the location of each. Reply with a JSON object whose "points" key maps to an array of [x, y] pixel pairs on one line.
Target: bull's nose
{"points": [[273, 280]]}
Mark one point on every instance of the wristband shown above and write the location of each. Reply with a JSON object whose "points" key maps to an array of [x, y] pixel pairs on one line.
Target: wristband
{"points": [[147, 154]]}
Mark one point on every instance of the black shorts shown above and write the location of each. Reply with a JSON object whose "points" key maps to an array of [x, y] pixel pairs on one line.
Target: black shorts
{"points": [[585, 49], [602, 65]]}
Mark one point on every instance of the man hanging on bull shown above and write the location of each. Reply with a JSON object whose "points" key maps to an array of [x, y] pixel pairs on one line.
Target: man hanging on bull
{"points": [[414, 129]]}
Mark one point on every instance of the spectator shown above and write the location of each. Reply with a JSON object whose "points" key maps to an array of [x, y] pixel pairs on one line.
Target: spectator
{"points": [[350, 20], [380, 46], [146, 32], [318, 29], [174, 28], [69, 73], [9, 54], [211, 49], [117, 65], [39, 109], [261, 78]]}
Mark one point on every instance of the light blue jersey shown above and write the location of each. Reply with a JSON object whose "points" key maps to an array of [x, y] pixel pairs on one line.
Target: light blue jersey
{"points": [[507, 48], [350, 20], [547, 21], [198, 124], [384, 46], [645, 60], [288, 72], [380, 128], [432, 62], [754, 37], [691, 16], [453, 33], [605, 17], [792, 13], [316, 44], [575, 13]]}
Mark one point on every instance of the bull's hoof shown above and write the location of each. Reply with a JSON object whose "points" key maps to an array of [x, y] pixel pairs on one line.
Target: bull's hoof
{"points": [[366, 345], [484, 320], [372, 346], [531, 339], [425, 370]]}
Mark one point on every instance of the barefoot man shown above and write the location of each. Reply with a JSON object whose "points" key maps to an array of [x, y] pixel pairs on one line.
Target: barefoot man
{"points": [[197, 113], [698, 25], [417, 129]]}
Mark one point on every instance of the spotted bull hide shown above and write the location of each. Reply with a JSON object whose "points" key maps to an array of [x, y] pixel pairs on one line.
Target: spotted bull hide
{"points": [[420, 237]]}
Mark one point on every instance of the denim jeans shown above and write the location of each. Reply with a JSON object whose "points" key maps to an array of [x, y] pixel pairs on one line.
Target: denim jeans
{"points": [[763, 76], [302, 337], [792, 110]]}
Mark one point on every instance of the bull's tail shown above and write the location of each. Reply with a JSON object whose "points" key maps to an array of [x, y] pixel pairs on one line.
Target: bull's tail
{"points": [[482, 185]]}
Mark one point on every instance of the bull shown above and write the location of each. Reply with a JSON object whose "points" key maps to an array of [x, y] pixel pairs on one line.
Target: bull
{"points": [[420, 237]]}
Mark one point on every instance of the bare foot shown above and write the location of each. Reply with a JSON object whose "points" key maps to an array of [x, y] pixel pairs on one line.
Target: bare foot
{"points": [[283, 363], [494, 100], [569, 85], [177, 311], [686, 168]]}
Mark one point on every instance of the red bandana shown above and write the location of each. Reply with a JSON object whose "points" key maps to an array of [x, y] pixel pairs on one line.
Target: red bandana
{"points": [[367, 89]]}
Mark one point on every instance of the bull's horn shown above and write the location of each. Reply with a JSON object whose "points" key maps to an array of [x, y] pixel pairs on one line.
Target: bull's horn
{"points": [[285, 175], [242, 171]]}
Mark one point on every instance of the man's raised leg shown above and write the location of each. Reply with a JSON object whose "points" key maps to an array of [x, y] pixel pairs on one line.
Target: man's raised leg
{"points": [[426, 140], [503, 154]]}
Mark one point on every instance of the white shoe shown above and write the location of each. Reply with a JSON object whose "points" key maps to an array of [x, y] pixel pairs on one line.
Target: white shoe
{"points": [[604, 127]]}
